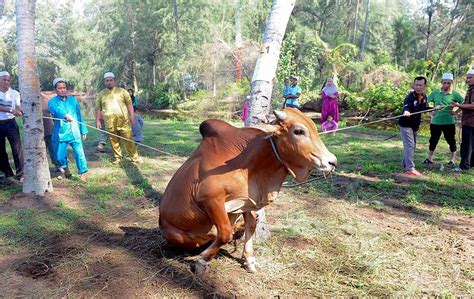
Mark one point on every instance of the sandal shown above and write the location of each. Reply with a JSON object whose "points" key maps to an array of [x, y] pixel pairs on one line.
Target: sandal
{"points": [[427, 161]]}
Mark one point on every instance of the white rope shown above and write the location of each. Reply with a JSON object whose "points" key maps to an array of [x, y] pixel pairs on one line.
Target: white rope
{"points": [[118, 136], [283, 185], [376, 121]]}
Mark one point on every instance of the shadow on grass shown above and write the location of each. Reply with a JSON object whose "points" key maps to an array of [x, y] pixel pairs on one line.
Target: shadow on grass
{"points": [[136, 178], [60, 238]]}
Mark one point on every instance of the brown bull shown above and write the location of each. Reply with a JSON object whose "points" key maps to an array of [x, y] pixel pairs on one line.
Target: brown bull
{"points": [[237, 171]]}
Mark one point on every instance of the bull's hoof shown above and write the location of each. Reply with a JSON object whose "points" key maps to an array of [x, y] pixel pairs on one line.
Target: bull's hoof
{"points": [[251, 265], [199, 267]]}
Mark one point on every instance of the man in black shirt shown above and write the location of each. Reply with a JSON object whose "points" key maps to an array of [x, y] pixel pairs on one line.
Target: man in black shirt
{"points": [[409, 124]]}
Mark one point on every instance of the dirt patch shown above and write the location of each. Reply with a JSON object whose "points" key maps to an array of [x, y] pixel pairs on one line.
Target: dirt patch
{"points": [[297, 243], [35, 269], [21, 201]]}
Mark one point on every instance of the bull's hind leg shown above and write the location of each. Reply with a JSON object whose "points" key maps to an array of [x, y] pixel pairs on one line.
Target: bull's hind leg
{"points": [[181, 238], [220, 219], [247, 256]]}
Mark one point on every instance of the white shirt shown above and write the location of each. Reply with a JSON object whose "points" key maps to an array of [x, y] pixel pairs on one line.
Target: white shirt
{"points": [[9, 99]]}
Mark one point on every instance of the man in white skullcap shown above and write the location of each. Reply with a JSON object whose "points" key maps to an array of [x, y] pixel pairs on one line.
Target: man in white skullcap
{"points": [[116, 106], [70, 130], [9, 109], [467, 121], [443, 119]]}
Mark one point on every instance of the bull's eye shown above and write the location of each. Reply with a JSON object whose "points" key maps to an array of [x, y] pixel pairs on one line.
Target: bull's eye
{"points": [[298, 132]]}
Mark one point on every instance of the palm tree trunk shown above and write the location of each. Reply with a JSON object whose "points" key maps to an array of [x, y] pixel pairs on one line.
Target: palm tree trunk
{"points": [[262, 81], [36, 169], [266, 65]]}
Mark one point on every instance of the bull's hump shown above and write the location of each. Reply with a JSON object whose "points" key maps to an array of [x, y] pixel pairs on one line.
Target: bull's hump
{"points": [[215, 128]]}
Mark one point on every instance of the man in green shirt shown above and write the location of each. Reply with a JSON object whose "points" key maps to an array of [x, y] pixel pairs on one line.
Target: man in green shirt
{"points": [[443, 119], [116, 106]]}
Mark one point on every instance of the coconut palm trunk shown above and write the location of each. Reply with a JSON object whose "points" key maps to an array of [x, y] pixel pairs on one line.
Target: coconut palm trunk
{"points": [[36, 169], [262, 81]]}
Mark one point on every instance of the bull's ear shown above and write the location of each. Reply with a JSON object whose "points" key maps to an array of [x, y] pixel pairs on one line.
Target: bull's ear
{"points": [[267, 128], [280, 115]]}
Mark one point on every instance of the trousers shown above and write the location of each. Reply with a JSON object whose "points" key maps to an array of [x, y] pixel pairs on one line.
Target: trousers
{"points": [[121, 126], [449, 133], [51, 149], [80, 157], [409, 145], [9, 130], [467, 148]]}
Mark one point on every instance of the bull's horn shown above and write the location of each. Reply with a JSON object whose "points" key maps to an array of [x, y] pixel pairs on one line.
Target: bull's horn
{"points": [[281, 115]]}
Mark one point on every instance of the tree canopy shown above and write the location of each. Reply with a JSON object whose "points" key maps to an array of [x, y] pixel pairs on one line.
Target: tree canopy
{"points": [[154, 45]]}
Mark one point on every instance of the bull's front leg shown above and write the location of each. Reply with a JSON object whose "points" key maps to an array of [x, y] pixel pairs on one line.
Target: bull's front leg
{"points": [[247, 256], [218, 216]]}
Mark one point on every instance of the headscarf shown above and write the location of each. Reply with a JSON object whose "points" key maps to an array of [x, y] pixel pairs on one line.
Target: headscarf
{"points": [[330, 90]]}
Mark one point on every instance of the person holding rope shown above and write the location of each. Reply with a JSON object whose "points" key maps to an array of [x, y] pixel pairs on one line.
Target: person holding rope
{"points": [[9, 109], [415, 101], [116, 105], [48, 126], [467, 122], [69, 130], [443, 120]]}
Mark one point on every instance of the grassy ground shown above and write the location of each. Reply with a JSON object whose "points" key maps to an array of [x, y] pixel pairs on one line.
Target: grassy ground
{"points": [[366, 230]]}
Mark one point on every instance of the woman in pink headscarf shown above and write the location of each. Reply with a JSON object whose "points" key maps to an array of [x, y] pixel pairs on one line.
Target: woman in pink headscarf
{"points": [[330, 94]]}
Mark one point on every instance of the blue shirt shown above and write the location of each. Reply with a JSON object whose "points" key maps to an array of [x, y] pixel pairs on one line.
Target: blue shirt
{"points": [[286, 90], [63, 130], [293, 90]]}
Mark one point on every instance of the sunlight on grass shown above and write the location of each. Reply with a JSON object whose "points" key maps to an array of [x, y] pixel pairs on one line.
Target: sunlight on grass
{"points": [[31, 225]]}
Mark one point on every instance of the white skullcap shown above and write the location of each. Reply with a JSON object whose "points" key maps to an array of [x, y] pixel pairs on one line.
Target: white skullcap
{"points": [[470, 72], [109, 75], [447, 76], [4, 73], [57, 80]]}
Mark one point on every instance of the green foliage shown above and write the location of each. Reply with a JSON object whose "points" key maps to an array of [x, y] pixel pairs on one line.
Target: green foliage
{"points": [[147, 39], [164, 97], [383, 97], [240, 88], [286, 64], [200, 95]]}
